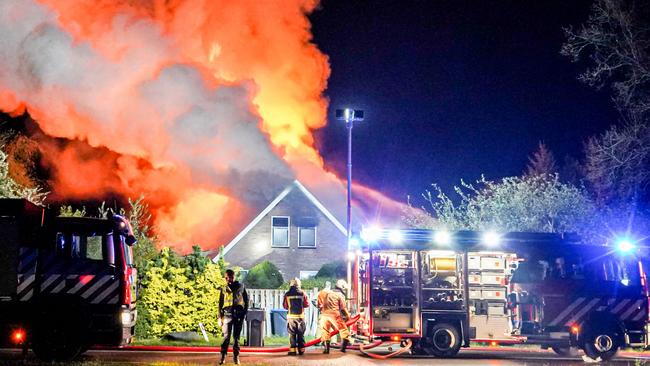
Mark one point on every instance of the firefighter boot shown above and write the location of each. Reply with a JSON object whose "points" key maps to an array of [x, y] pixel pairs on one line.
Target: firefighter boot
{"points": [[223, 359], [344, 344], [326, 350], [301, 351], [235, 359]]}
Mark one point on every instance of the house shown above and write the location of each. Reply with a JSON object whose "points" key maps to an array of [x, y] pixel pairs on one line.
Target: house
{"points": [[296, 232]]}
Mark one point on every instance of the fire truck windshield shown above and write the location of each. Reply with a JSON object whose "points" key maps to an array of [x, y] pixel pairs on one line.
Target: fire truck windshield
{"points": [[85, 245]]}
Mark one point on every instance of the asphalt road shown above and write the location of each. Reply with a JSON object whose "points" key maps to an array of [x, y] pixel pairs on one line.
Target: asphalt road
{"points": [[474, 356]]}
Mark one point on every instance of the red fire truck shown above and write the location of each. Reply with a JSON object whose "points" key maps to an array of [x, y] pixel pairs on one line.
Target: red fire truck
{"points": [[444, 289], [65, 283]]}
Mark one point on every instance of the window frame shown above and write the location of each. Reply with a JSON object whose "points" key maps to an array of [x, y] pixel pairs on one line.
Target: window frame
{"points": [[273, 245], [300, 245]]}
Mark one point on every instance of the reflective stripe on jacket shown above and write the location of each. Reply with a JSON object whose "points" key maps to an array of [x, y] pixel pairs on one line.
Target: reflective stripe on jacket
{"points": [[295, 300]]}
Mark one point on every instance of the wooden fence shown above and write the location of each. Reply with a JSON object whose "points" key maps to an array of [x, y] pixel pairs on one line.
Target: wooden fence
{"points": [[272, 299]]}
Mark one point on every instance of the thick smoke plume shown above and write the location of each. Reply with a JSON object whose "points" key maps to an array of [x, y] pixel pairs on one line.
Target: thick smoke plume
{"points": [[206, 107]]}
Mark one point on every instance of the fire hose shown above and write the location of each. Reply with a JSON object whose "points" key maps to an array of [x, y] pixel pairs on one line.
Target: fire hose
{"points": [[406, 348], [243, 349]]}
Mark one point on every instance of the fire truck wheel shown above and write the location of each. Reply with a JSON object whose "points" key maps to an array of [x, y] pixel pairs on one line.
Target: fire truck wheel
{"points": [[566, 351], [444, 340], [601, 343]]}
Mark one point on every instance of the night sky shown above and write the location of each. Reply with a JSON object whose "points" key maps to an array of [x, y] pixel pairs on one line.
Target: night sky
{"points": [[453, 89]]}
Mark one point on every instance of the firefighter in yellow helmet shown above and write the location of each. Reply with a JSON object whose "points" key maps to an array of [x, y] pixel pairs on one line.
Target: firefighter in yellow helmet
{"points": [[332, 305], [233, 306], [295, 301]]}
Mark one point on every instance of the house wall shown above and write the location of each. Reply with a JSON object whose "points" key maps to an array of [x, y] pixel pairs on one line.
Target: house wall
{"points": [[255, 246]]}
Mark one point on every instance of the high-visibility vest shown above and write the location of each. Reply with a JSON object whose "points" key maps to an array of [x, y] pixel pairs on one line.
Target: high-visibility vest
{"points": [[232, 299]]}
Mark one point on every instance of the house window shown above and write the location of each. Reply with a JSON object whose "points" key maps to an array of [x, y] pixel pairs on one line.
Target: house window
{"points": [[280, 234], [307, 237], [307, 274]]}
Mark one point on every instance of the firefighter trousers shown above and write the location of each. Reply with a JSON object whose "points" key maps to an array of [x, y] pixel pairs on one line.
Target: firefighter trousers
{"points": [[231, 328], [329, 322], [296, 328]]}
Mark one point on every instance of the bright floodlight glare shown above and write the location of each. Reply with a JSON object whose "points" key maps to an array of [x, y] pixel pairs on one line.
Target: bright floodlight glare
{"points": [[442, 237], [491, 238], [351, 256], [354, 242], [370, 233], [395, 237], [625, 245]]}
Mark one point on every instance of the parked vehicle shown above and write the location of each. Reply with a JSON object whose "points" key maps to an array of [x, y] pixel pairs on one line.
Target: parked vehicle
{"points": [[443, 290], [66, 283]]}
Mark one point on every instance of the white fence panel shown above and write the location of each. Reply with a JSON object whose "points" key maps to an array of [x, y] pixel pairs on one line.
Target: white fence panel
{"points": [[272, 299]]}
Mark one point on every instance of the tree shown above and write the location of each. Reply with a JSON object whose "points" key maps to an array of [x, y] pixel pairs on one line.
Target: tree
{"points": [[539, 203], [617, 163], [542, 162], [336, 269], [264, 275], [10, 189], [616, 40]]}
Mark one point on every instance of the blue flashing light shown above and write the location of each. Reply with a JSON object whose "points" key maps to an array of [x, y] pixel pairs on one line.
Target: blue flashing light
{"points": [[625, 245], [353, 242], [370, 234], [395, 237], [442, 237], [491, 238]]}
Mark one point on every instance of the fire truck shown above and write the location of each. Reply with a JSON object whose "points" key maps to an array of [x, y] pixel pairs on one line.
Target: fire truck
{"points": [[443, 290], [66, 283]]}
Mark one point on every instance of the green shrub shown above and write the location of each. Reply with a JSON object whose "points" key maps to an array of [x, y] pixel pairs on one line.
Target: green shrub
{"points": [[264, 275], [177, 293], [336, 269], [310, 283]]}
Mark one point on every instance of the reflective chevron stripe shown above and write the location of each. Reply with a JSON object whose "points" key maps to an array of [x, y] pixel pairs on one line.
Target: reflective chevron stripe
{"points": [[582, 312], [27, 259], [620, 306], [566, 311], [631, 309]]}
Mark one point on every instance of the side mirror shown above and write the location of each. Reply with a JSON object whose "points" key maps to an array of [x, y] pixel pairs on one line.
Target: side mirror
{"points": [[130, 240]]}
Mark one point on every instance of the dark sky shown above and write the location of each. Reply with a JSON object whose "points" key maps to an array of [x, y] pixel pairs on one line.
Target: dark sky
{"points": [[453, 89]]}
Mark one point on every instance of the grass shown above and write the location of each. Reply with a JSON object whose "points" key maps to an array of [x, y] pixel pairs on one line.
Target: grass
{"points": [[213, 341]]}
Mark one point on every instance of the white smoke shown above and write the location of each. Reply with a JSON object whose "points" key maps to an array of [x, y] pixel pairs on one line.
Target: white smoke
{"points": [[135, 102]]}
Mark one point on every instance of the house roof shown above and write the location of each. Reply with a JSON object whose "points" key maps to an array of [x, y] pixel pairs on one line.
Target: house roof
{"points": [[295, 184]]}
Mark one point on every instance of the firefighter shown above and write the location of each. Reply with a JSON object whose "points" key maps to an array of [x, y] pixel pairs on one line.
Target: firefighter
{"points": [[233, 306], [295, 301], [332, 304]]}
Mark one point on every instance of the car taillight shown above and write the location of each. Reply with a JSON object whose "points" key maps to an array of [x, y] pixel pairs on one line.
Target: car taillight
{"points": [[126, 298]]}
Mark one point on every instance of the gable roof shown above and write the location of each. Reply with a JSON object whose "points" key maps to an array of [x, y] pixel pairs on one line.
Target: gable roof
{"points": [[278, 199]]}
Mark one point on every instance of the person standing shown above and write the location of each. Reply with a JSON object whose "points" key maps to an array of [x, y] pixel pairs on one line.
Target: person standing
{"points": [[233, 306], [332, 304], [295, 301]]}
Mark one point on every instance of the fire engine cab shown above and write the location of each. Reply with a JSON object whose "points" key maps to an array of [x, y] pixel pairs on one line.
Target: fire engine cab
{"points": [[444, 289], [65, 283]]}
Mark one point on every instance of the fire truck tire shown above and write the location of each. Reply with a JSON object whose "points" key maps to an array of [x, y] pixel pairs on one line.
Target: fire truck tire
{"points": [[566, 351], [443, 340], [602, 343], [58, 338]]}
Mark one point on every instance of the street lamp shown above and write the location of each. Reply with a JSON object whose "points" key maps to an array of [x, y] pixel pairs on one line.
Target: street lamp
{"points": [[349, 116]]}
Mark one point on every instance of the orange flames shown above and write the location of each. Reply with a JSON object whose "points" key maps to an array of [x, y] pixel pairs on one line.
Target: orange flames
{"points": [[206, 107]]}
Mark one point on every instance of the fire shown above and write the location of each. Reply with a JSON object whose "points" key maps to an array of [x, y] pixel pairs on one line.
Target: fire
{"points": [[205, 107]]}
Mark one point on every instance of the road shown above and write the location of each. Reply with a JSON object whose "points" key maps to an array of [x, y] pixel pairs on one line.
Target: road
{"points": [[474, 356]]}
